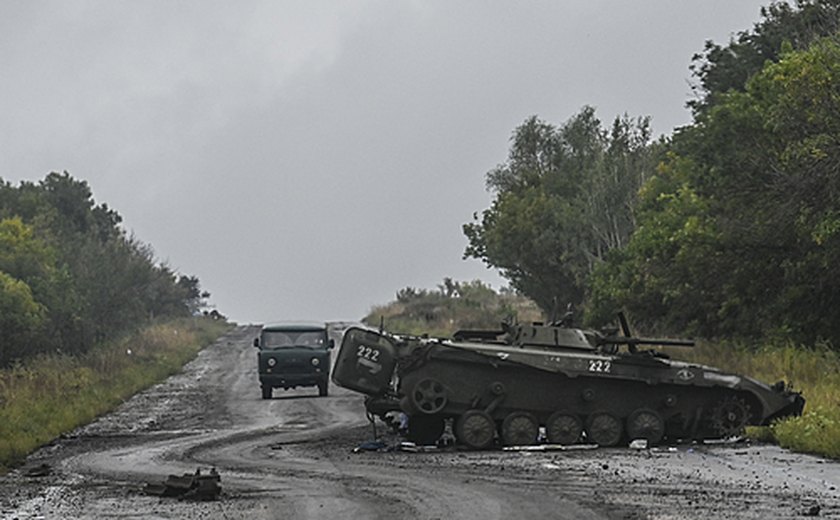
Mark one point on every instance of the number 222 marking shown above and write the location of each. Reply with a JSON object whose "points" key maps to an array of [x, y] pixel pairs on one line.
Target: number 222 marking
{"points": [[597, 365], [367, 353]]}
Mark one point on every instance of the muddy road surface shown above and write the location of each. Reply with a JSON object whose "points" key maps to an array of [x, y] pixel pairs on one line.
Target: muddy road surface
{"points": [[292, 457]]}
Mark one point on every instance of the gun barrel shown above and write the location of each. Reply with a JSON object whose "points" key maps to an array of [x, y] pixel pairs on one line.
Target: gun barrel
{"points": [[615, 340], [667, 342]]}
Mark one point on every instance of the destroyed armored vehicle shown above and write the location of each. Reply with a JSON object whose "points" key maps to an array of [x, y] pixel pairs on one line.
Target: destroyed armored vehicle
{"points": [[573, 384]]}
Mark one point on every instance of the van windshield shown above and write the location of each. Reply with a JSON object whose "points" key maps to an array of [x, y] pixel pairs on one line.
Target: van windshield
{"points": [[282, 339]]}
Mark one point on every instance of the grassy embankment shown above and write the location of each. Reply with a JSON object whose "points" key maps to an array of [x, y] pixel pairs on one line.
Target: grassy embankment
{"points": [[49, 395], [813, 371], [440, 316]]}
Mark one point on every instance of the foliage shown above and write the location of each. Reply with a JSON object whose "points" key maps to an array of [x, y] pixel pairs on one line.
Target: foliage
{"points": [[563, 200], [817, 431], [71, 277], [738, 229], [784, 27], [54, 393], [451, 306], [21, 317], [729, 228]]}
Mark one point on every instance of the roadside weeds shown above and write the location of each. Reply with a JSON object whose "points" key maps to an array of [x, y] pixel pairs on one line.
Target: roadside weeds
{"points": [[53, 394]]}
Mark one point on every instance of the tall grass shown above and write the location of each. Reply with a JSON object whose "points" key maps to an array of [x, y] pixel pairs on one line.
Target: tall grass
{"points": [[52, 394], [813, 371]]}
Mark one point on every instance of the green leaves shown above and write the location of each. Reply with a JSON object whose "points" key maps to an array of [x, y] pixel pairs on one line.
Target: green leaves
{"points": [[784, 28], [69, 275], [729, 229], [740, 227], [21, 317], [564, 199]]}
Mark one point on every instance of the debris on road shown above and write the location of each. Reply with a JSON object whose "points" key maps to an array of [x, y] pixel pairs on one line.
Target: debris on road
{"points": [[813, 511], [189, 486], [669, 449], [41, 470], [551, 447], [382, 446], [411, 447], [370, 446]]}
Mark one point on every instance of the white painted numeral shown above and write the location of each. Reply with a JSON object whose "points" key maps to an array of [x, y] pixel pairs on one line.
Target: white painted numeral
{"points": [[367, 353], [598, 365]]}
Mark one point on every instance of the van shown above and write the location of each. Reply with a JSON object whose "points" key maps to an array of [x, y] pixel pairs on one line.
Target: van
{"points": [[293, 354]]}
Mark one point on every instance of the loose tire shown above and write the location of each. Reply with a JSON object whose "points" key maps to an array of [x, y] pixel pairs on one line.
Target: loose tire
{"points": [[563, 428], [476, 429]]}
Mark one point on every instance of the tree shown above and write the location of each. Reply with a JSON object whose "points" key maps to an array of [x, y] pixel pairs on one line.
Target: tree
{"points": [[88, 278], [740, 226], [22, 254], [563, 199], [26, 271], [720, 69], [21, 318], [192, 295]]}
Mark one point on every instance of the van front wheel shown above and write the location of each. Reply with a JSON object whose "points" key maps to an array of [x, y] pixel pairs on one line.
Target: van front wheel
{"points": [[266, 392]]}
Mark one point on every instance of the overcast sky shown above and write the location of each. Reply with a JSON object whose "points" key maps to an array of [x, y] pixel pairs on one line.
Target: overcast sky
{"points": [[307, 159]]}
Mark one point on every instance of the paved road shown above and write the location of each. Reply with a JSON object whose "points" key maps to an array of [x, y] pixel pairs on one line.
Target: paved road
{"points": [[292, 457]]}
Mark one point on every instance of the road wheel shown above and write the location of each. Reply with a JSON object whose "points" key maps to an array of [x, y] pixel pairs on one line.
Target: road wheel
{"points": [[604, 429], [520, 429], [647, 424], [425, 429], [563, 428], [429, 396], [266, 392], [324, 388], [730, 416], [475, 429]]}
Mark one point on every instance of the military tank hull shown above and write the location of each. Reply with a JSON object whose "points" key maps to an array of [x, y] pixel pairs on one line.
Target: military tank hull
{"points": [[508, 385]]}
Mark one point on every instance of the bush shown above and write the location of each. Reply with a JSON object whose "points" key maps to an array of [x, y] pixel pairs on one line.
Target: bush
{"points": [[453, 306]]}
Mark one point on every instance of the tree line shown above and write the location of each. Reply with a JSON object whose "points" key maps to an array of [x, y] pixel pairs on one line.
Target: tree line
{"points": [[729, 227], [70, 275]]}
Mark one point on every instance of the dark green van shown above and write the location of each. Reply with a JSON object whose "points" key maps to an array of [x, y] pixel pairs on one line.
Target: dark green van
{"points": [[294, 354]]}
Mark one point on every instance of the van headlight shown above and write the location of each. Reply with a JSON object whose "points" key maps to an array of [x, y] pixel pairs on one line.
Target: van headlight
{"points": [[271, 362], [315, 362]]}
